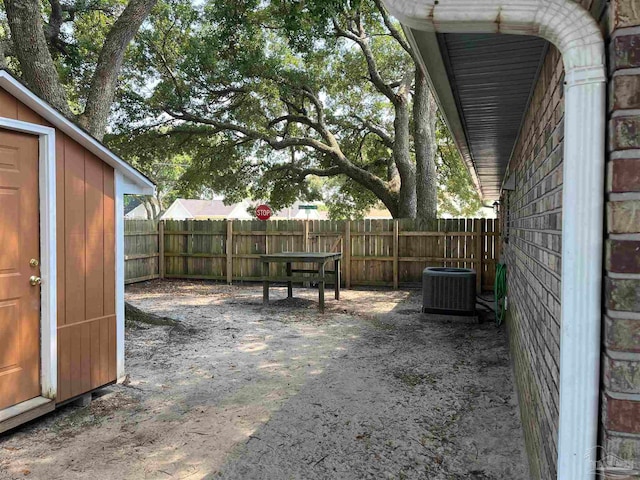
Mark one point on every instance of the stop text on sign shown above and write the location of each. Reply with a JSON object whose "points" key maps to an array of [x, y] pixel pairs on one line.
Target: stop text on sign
{"points": [[263, 212]]}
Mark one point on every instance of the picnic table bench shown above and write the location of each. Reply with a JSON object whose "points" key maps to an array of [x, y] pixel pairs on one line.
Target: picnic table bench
{"points": [[319, 258]]}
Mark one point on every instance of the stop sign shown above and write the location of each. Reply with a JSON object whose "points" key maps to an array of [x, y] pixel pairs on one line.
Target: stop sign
{"points": [[263, 212]]}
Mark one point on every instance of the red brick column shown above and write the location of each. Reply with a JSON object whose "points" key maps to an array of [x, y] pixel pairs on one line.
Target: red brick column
{"points": [[620, 413]]}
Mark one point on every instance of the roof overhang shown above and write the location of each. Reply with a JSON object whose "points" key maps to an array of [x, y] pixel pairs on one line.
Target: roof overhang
{"points": [[433, 65], [134, 181], [483, 84]]}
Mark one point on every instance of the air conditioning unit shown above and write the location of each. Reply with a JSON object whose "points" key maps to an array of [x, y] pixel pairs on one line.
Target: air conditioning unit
{"points": [[449, 291]]}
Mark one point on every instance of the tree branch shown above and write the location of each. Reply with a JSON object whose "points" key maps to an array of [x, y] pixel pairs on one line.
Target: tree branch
{"points": [[387, 139], [372, 67], [222, 92], [295, 119], [274, 142], [394, 32], [52, 29], [369, 180], [307, 92], [304, 172], [66, 12], [105, 77]]}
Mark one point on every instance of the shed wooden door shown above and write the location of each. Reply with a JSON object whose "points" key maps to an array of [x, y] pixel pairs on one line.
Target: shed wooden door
{"points": [[19, 243]]}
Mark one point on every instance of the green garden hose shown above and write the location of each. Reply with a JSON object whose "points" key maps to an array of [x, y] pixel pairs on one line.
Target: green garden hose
{"points": [[500, 292]]}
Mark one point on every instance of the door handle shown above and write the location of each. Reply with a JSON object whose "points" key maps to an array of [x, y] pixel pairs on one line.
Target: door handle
{"points": [[33, 280]]}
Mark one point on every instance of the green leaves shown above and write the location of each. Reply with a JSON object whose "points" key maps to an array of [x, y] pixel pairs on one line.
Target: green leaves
{"points": [[457, 195], [266, 99]]}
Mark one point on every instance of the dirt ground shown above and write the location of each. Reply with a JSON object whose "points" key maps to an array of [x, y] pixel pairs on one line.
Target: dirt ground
{"points": [[368, 390]]}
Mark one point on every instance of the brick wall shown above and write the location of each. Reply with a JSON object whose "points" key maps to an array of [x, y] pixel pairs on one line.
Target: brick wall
{"points": [[620, 410], [533, 214], [533, 260]]}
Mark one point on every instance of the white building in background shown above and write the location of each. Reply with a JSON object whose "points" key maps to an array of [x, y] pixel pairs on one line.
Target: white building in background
{"points": [[137, 213], [192, 209]]}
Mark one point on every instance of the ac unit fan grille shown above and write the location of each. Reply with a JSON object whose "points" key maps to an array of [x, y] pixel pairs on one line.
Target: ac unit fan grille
{"points": [[449, 290]]}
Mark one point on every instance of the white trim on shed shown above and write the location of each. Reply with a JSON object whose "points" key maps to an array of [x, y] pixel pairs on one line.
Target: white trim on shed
{"points": [[48, 249]]}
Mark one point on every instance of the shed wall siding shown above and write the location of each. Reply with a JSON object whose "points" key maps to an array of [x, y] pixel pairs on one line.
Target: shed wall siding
{"points": [[533, 260], [86, 270], [620, 407], [85, 215]]}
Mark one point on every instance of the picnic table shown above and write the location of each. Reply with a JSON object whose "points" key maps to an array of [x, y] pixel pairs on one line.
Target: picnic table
{"points": [[319, 258]]}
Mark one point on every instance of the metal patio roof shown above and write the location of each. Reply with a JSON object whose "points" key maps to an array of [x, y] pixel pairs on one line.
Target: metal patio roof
{"points": [[483, 83]]}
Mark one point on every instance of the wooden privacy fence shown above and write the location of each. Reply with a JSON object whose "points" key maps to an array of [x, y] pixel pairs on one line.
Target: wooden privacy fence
{"points": [[141, 250], [375, 252]]}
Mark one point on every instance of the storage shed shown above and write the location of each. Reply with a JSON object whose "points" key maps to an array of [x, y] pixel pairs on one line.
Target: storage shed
{"points": [[61, 257]]}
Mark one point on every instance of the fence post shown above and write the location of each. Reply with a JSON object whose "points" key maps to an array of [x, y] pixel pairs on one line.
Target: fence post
{"points": [[396, 260], [305, 246], [479, 252], [161, 266], [347, 254], [306, 236], [229, 252]]}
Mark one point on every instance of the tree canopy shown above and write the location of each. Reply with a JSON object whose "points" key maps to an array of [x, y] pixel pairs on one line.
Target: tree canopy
{"points": [[288, 92], [279, 99]]}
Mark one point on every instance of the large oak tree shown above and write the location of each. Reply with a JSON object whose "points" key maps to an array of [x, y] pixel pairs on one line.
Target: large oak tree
{"points": [[271, 95], [299, 89]]}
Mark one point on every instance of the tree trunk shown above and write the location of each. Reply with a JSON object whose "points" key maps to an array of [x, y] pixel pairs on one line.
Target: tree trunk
{"points": [[160, 203], [424, 119], [3, 58], [147, 206], [30, 46], [104, 81], [402, 158], [39, 71], [134, 314], [371, 182]]}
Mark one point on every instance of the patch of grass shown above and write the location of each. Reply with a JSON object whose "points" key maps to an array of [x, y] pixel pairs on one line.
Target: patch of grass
{"points": [[440, 433], [413, 379], [74, 422], [101, 409]]}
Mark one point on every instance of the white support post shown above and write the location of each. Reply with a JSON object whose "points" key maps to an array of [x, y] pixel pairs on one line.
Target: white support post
{"points": [[119, 212]]}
